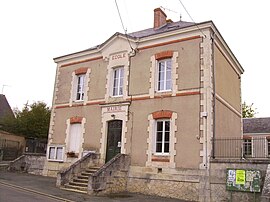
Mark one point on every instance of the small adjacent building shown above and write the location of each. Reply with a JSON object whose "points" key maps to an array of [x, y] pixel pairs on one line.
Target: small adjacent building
{"points": [[158, 95], [256, 135], [11, 145], [5, 109]]}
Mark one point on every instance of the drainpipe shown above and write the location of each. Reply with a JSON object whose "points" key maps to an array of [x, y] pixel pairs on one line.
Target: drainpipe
{"points": [[133, 54], [214, 93]]}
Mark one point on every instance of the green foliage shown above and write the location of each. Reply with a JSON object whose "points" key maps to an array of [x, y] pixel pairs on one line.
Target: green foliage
{"points": [[32, 121], [248, 111]]}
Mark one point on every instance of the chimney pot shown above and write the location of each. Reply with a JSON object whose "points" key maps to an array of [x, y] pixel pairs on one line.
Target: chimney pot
{"points": [[159, 18]]}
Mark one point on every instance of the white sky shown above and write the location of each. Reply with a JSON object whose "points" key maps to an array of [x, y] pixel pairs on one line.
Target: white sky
{"points": [[34, 32]]}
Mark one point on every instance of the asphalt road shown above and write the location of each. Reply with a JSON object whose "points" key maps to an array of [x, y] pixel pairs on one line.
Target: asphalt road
{"points": [[11, 194]]}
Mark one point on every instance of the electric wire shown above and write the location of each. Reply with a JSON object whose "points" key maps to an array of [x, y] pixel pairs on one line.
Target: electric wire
{"points": [[191, 18], [125, 30]]}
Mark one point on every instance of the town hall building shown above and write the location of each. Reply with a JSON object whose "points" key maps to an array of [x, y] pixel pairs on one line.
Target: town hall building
{"points": [[158, 96]]}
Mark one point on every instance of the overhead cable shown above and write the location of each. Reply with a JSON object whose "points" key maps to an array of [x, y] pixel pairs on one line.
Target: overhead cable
{"points": [[191, 18]]}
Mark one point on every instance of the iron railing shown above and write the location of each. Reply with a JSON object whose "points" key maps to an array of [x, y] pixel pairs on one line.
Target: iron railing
{"points": [[255, 147], [9, 150]]}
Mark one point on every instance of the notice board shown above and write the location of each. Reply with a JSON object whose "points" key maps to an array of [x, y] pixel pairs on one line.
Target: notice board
{"points": [[243, 180]]}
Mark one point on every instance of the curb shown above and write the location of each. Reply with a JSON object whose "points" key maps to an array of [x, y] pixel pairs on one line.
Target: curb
{"points": [[34, 191]]}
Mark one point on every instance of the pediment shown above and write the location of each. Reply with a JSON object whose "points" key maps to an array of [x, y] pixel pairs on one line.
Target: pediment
{"points": [[118, 43]]}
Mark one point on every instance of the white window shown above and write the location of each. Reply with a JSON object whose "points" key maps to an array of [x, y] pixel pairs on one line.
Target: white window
{"points": [[80, 87], [75, 134], [247, 144], [164, 75], [268, 146], [118, 77], [162, 137], [55, 153]]}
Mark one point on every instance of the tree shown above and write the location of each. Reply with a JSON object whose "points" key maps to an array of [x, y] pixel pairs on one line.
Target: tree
{"points": [[32, 121], [248, 111]]}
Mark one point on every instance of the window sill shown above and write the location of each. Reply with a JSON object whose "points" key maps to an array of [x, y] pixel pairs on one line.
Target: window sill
{"points": [[55, 160], [116, 96], [161, 158], [159, 94]]}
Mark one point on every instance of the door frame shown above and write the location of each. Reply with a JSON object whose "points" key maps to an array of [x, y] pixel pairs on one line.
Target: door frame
{"points": [[121, 113]]}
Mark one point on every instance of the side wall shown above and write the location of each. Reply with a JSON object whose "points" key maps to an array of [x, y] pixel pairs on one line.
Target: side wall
{"points": [[228, 97]]}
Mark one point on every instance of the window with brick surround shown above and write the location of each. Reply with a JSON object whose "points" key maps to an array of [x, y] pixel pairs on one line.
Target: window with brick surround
{"points": [[164, 75], [162, 136], [118, 77]]}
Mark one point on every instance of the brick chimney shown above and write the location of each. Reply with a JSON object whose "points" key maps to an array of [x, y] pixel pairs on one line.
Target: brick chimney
{"points": [[159, 18]]}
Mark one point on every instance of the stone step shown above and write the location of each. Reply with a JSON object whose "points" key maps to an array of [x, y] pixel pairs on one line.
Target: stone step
{"points": [[91, 170], [85, 174], [79, 184], [74, 190], [69, 186], [82, 177], [4, 167], [80, 180]]}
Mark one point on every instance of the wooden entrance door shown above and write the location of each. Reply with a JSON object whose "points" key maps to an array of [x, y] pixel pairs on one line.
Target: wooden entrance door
{"points": [[114, 134]]}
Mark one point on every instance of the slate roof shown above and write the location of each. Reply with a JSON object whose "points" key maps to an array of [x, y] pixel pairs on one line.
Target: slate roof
{"points": [[146, 32], [166, 28], [256, 125], [5, 108]]}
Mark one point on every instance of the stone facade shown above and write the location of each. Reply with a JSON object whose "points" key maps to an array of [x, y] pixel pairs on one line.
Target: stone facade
{"points": [[166, 127]]}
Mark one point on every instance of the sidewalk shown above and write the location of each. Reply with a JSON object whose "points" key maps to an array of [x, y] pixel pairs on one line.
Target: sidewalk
{"points": [[46, 186]]}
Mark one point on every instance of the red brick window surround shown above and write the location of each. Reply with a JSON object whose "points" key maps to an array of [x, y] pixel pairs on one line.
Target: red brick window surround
{"points": [[81, 70], [164, 55], [163, 114], [76, 119]]}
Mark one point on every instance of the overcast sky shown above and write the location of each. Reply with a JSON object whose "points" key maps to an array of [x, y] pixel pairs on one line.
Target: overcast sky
{"points": [[34, 32]]}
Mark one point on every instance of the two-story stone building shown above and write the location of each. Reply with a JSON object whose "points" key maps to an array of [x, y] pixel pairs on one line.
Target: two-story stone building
{"points": [[158, 95]]}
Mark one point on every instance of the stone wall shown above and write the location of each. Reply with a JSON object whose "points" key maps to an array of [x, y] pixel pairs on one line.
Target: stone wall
{"points": [[30, 163], [173, 183], [217, 179], [111, 177], [191, 184]]}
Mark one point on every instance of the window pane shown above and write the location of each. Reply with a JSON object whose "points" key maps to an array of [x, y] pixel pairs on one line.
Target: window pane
{"points": [[59, 153], [78, 97], [121, 91], [167, 125], [168, 85], [268, 143], [167, 136], [52, 153], [159, 137], [166, 147], [121, 72], [161, 66], [161, 76], [169, 64], [159, 147], [159, 125]]}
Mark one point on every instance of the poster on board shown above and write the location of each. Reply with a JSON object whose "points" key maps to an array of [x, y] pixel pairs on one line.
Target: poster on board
{"points": [[243, 180]]}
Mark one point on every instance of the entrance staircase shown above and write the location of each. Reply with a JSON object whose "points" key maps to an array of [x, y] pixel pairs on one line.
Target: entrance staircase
{"points": [[80, 182], [87, 176]]}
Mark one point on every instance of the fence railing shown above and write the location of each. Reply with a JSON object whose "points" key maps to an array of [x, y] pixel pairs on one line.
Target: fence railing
{"points": [[255, 147], [9, 150]]}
